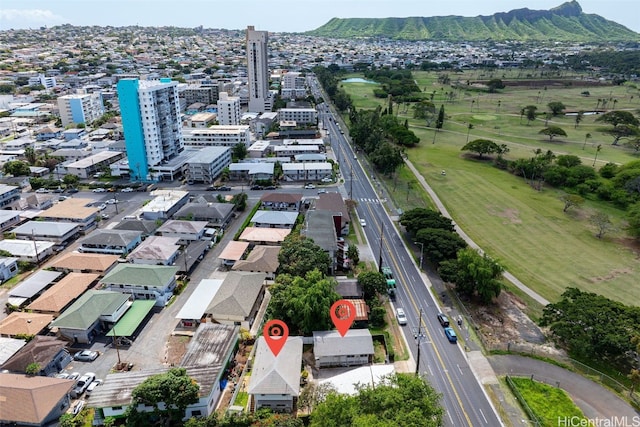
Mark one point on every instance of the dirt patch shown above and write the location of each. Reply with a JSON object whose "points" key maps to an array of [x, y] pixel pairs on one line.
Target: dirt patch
{"points": [[505, 326], [511, 216], [176, 348], [612, 275], [632, 244]]}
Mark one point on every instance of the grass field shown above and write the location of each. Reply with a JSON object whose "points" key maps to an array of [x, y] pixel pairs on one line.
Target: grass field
{"points": [[525, 229], [550, 404]]}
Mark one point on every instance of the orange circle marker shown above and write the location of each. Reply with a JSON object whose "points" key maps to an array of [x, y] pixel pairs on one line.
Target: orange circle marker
{"points": [[343, 313], [275, 333]]}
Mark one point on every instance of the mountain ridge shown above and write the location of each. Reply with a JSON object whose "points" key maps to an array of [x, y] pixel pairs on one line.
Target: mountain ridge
{"points": [[566, 22]]}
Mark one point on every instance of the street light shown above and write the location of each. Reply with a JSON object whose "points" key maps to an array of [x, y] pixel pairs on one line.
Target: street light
{"points": [[421, 252], [418, 334]]}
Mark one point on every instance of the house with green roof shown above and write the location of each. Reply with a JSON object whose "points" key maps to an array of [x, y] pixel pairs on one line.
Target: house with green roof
{"points": [[145, 282], [90, 314]]}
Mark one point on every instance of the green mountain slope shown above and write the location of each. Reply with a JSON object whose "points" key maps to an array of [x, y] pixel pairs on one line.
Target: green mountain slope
{"points": [[566, 22]]}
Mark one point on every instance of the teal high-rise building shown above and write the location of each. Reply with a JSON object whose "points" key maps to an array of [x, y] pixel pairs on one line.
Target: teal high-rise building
{"points": [[151, 120]]}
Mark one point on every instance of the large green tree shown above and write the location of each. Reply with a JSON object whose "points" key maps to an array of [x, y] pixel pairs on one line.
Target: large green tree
{"points": [[175, 389], [298, 255], [553, 131], [474, 275], [418, 218], [373, 283], [16, 168], [303, 303], [439, 244], [625, 125], [591, 326], [481, 146], [399, 400], [556, 107]]}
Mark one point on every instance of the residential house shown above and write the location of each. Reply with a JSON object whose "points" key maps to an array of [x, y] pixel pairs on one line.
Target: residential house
{"points": [[90, 314], [320, 227], [145, 227], [33, 400], [147, 282], [275, 380], [33, 201], [86, 167], [310, 158], [31, 287], [193, 311], [60, 233], [330, 348], [264, 236], [9, 194], [83, 263], [8, 219], [281, 201], [262, 259], [349, 288], [20, 323], [9, 347], [307, 171], [274, 219], [74, 210], [291, 150], [238, 299], [233, 252], [334, 203], [49, 352], [184, 231], [156, 250], [215, 214], [251, 172], [164, 204], [8, 268], [33, 252], [114, 242], [55, 299]]}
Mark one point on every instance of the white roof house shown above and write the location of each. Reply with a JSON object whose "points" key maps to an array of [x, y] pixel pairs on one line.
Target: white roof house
{"points": [[195, 307]]}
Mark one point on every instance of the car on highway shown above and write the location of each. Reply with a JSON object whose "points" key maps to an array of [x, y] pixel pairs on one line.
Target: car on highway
{"points": [[104, 216], [127, 190], [257, 187], [102, 207], [363, 222], [82, 384], [72, 190], [224, 188], [309, 187], [322, 191], [451, 335], [270, 187], [443, 319], [99, 190], [86, 356], [42, 190], [401, 316], [111, 201]]}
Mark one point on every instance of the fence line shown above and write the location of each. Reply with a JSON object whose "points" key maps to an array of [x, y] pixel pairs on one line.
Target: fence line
{"points": [[530, 413]]}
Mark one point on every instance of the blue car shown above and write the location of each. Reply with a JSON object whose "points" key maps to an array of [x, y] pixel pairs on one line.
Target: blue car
{"points": [[451, 335]]}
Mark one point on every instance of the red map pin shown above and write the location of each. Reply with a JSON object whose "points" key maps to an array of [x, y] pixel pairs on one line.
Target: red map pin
{"points": [[343, 313], [275, 333]]}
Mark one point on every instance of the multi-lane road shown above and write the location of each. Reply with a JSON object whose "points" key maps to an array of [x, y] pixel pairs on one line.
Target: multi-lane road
{"points": [[444, 364]]}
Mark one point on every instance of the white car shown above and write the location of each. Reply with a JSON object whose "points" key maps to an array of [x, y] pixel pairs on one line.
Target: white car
{"points": [[77, 407], [402, 318], [309, 187], [102, 207], [111, 201], [99, 190], [42, 190], [327, 180], [127, 190], [363, 222], [93, 385]]}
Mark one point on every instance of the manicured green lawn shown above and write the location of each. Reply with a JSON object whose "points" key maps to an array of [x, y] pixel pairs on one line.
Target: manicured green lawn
{"points": [[526, 229], [550, 404]]}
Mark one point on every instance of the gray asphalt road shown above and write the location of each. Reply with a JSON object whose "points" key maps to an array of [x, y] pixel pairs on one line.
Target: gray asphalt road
{"points": [[595, 400]]}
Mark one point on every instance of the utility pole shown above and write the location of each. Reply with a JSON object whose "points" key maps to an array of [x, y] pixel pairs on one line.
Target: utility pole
{"points": [[418, 334], [35, 247], [351, 184], [421, 252]]}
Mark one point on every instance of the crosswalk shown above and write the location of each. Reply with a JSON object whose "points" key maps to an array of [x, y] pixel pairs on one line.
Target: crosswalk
{"points": [[372, 201]]}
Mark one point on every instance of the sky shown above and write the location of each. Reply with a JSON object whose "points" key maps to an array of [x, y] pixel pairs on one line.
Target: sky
{"points": [[273, 15]]}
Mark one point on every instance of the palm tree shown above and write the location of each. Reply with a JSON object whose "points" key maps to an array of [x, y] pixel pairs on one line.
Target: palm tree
{"points": [[598, 148], [587, 136]]}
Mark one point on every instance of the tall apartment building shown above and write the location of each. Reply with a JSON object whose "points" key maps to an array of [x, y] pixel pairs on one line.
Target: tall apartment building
{"points": [[80, 108], [206, 94], [151, 121], [258, 71], [293, 86], [228, 110]]}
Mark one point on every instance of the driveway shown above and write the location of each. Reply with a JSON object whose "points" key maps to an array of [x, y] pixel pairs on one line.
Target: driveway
{"points": [[594, 400]]}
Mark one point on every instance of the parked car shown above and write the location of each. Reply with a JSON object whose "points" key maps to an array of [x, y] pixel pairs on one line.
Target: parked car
{"points": [[99, 190], [451, 335], [126, 190], [102, 207], [443, 319], [402, 318], [58, 190], [82, 384], [62, 376], [257, 187], [309, 187], [74, 376], [72, 190], [93, 385], [363, 222], [224, 188], [77, 407], [111, 201], [104, 216], [270, 187], [42, 190], [86, 356], [327, 179], [322, 191]]}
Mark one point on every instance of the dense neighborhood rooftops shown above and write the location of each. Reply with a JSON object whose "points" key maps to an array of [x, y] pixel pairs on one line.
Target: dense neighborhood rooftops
{"points": [[145, 227], [24, 323], [48, 228], [217, 211], [182, 227], [156, 248], [331, 343], [277, 197], [9, 347], [85, 262], [262, 258], [111, 238], [196, 305], [25, 248], [237, 294], [285, 218], [73, 208], [262, 234], [234, 250], [127, 325], [211, 345], [35, 283], [41, 349]]}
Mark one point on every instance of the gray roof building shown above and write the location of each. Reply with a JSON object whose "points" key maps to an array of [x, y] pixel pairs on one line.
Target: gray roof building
{"points": [[238, 299]]}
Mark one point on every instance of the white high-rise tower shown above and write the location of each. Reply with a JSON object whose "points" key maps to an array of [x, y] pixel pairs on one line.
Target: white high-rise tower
{"points": [[257, 67]]}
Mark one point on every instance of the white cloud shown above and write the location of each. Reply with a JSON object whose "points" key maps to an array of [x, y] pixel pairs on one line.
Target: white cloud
{"points": [[23, 18]]}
